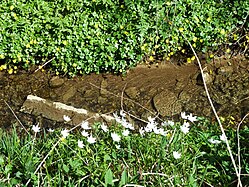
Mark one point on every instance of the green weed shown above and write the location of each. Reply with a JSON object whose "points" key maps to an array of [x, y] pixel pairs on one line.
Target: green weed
{"points": [[190, 152], [87, 36]]}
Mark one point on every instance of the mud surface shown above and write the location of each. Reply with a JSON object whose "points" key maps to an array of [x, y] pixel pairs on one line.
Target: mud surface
{"points": [[165, 90]]}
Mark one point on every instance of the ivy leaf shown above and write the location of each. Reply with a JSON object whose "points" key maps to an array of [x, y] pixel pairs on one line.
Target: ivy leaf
{"points": [[124, 178], [65, 168], [109, 178]]}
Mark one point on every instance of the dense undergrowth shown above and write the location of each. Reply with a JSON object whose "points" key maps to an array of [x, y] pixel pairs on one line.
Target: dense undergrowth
{"points": [[190, 152], [83, 36]]}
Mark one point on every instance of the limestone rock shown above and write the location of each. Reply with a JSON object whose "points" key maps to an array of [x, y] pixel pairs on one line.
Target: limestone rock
{"points": [[226, 70], [56, 82], [69, 94], [166, 103], [55, 111], [103, 86], [132, 92], [102, 100], [207, 78], [89, 93]]}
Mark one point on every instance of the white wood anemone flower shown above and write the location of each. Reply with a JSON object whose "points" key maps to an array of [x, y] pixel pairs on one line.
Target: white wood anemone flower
{"points": [[115, 137], [64, 133], [66, 118], [91, 140], [176, 154], [84, 133], [185, 127], [80, 144], [85, 125], [125, 132], [189, 117], [36, 128], [50, 130], [104, 127], [213, 141], [223, 137]]}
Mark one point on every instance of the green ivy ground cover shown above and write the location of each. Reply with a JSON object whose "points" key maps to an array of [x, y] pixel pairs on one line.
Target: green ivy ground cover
{"points": [[84, 36]]}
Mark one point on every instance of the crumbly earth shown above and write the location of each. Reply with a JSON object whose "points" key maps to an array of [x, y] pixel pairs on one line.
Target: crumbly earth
{"points": [[164, 90]]}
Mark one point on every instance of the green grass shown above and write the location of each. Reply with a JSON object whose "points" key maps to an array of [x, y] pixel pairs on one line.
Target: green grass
{"points": [[48, 159]]}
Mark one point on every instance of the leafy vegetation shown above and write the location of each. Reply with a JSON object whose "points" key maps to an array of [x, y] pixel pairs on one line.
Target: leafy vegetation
{"points": [[186, 153], [84, 36]]}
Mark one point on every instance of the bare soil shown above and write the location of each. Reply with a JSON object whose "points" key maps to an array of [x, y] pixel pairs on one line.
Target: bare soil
{"points": [[164, 90]]}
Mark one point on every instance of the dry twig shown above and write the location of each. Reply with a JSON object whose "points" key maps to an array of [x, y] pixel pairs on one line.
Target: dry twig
{"points": [[40, 67], [216, 115], [238, 141], [16, 117]]}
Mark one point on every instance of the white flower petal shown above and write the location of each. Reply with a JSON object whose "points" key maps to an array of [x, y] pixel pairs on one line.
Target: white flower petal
{"points": [[124, 123], [162, 132], [185, 128], [84, 133], [50, 130], [156, 130], [176, 155], [213, 141], [117, 118], [115, 137], [183, 115], [223, 137], [192, 118], [36, 128], [189, 117], [122, 113], [66, 118], [80, 144], [169, 122], [118, 146], [85, 125], [91, 140], [151, 126], [151, 120], [186, 124], [141, 131], [146, 129], [65, 133], [104, 127], [131, 127], [126, 132]]}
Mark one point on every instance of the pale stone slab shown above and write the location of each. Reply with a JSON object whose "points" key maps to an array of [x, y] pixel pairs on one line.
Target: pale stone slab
{"points": [[55, 111]]}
